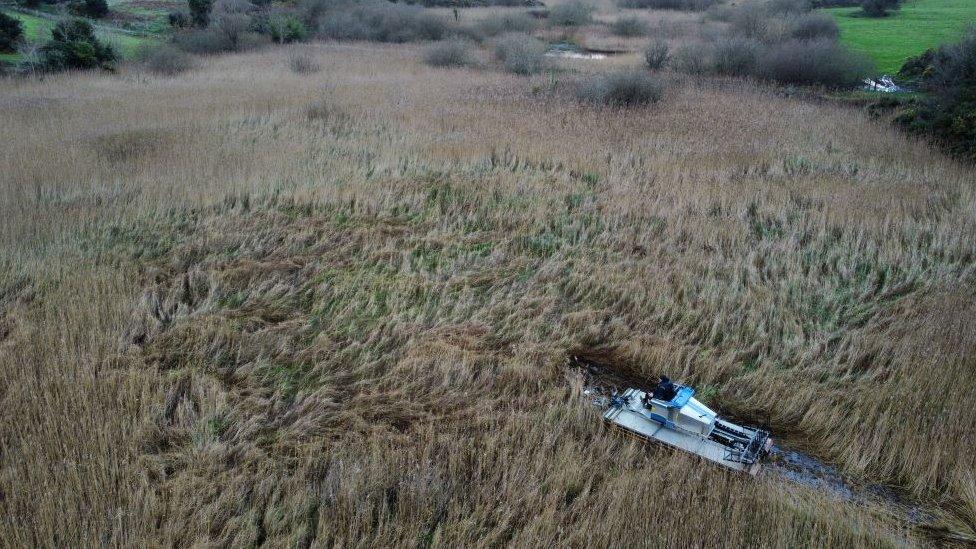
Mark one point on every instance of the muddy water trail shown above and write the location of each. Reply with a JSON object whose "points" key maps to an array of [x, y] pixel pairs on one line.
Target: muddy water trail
{"points": [[806, 470], [572, 51], [600, 382]]}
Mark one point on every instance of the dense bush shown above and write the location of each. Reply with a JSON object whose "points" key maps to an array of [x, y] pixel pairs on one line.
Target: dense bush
{"points": [[73, 46], [165, 59], [622, 89], [879, 8], [96, 9], [629, 26], [285, 28], [10, 33], [450, 53], [179, 19], [948, 111], [379, 21], [812, 62], [917, 69], [521, 54], [573, 13], [656, 54], [200, 41], [811, 26], [817, 4], [200, 11], [685, 5], [951, 70], [502, 23]]}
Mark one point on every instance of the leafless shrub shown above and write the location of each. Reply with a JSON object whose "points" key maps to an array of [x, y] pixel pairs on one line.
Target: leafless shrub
{"points": [[503, 23], [777, 21], [230, 21], [165, 59], [817, 62], [229, 30], [688, 5], [380, 21], [32, 56], [692, 58], [450, 53], [656, 54], [753, 19], [521, 54], [629, 27], [734, 56], [572, 13], [811, 26], [622, 89]]}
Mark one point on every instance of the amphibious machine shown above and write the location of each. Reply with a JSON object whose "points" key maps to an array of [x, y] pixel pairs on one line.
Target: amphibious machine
{"points": [[672, 415]]}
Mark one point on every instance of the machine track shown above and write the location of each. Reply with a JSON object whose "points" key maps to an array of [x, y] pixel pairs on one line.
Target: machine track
{"points": [[788, 464]]}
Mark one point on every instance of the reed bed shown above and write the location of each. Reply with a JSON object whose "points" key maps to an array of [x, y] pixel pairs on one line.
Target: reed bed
{"points": [[242, 305]]}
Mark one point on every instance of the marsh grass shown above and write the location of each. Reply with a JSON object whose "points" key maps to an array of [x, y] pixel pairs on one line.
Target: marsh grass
{"points": [[301, 62], [250, 306]]}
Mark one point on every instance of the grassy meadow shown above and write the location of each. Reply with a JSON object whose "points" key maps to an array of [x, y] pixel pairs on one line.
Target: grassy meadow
{"points": [[247, 305], [916, 27], [147, 16], [37, 28]]}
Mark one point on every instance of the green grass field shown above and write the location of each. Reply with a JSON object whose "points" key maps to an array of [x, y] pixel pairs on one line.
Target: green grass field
{"points": [[145, 16], [34, 28], [125, 44], [919, 25], [39, 28]]}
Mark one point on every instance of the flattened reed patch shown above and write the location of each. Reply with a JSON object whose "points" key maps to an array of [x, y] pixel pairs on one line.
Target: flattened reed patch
{"points": [[130, 145], [30, 104], [326, 113]]}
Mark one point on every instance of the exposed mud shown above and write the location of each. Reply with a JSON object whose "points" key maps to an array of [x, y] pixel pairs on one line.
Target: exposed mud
{"points": [[601, 380]]}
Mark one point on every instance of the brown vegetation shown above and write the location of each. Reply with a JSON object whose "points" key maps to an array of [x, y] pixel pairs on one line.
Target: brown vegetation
{"points": [[242, 305]]}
